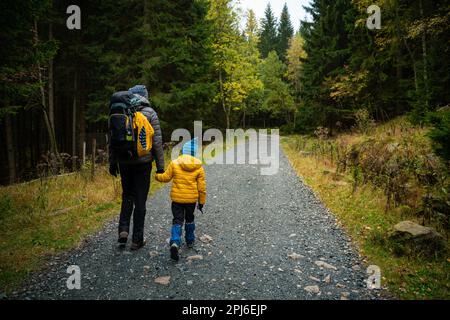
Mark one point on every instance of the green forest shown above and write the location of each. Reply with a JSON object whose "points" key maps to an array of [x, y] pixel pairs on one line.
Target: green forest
{"points": [[199, 62]]}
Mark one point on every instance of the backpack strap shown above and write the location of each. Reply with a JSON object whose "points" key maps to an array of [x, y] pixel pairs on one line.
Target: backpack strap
{"points": [[118, 105]]}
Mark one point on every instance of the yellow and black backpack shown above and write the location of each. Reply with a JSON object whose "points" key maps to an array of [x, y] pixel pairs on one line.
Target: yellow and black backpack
{"points": [[130, 132]]}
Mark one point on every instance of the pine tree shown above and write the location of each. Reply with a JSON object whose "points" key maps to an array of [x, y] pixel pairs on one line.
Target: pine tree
{"points": [[164, 45], [178, 61], [327, 48], [285, 33], [268, 35]]}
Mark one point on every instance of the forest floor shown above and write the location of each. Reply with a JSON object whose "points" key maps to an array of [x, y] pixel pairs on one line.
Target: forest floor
{"points": [[261, 237]]}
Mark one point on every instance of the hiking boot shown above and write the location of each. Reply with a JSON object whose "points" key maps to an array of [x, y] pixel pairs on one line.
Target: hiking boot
{"points": [[189, 227], [174, 252], [190, 245], [137, 245], [123, 237]]}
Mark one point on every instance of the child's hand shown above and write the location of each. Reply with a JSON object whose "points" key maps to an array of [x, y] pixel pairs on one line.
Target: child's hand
{"points": [[200, 207]]}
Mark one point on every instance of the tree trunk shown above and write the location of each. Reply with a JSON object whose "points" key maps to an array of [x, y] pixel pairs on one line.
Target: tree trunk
{"points": [[399, 75], [411, 55], [81, 124], [398, 39], [145, 12], [416, 84], [295, 118], [51, 92], [81, 121], [94, 147], [222, 98], [83, 152], [74, 123], [50, 128], [425, 58], [10, 149], [81, 102]]}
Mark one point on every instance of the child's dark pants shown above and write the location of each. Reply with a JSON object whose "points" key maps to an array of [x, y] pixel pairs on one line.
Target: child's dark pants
{"points": [[183, 212], [135, 186]]}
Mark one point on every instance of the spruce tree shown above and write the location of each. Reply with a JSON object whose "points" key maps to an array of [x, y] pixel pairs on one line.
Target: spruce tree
{"points": [[285, 33], [327, 48], [268, 36]]}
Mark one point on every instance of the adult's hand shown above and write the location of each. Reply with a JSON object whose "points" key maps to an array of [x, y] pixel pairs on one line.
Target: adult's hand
{"points": [[113, 169], [200, 207]]}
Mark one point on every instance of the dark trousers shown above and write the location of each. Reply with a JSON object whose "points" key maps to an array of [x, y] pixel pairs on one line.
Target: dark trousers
{"points": [[183, 212], [135, 186]]}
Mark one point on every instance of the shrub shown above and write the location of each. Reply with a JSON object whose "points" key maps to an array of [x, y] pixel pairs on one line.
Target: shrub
{"points": [[287, 128], [440, 134], [364, 122]]}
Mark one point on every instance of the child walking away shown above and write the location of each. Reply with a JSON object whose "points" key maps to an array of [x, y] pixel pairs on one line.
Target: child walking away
{"points": [[188, 189]]}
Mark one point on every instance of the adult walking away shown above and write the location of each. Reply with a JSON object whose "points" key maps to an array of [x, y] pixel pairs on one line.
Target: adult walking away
{"points": [[135, 173]]}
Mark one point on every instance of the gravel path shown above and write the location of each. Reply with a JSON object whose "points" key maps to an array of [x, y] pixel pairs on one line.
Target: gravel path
{"points": [[255, 222]]}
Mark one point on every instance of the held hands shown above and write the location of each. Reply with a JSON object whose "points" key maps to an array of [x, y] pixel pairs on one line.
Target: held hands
{"points": [[158, 174], [113, 169]]}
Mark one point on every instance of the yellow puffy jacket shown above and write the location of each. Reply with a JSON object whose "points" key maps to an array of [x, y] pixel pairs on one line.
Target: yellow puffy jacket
{"points": [[188, 184]]}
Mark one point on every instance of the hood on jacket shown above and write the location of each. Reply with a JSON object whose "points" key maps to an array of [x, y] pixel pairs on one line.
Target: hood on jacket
{"points": [[189, 163], [143, 101], [139, 89]]}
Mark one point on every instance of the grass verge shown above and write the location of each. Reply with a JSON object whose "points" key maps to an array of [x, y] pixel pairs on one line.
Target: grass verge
{"points": [[52, 215], [362, 214]]}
